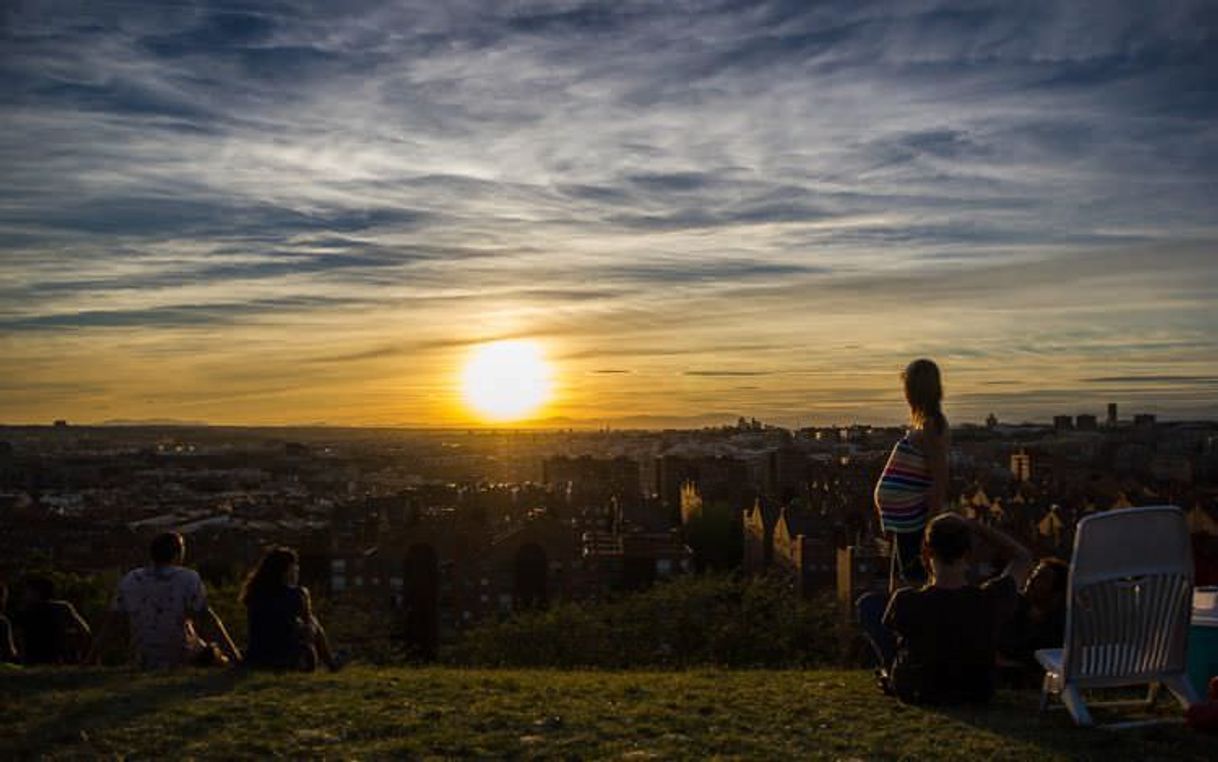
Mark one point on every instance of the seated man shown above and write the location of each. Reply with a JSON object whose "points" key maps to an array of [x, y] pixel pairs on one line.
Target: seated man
{"points": [[937, 643], [162, 603], [50, 630]]}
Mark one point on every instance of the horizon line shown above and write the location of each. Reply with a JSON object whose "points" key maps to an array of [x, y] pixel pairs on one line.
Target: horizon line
{"points": [[547, 427]]}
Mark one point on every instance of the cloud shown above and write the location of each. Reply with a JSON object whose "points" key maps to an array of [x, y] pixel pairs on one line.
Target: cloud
{"points": [[1152, 380], [807, 187], [726, 373], [177, 316]]}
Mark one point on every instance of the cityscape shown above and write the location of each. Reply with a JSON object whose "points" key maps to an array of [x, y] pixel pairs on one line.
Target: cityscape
{"points": [[462, 526]]}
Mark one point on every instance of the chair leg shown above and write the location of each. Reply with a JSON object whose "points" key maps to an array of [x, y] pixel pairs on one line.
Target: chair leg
{"points": [[1044, 693], [1182, 688], [1076, 706], [1152, 693]]}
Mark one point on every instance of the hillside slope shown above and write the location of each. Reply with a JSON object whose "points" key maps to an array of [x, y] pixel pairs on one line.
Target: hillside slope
{"points": [[439, 712]]}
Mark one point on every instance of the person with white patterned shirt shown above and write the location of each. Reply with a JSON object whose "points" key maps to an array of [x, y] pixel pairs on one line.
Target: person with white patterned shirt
{"points": [[164, 604]]}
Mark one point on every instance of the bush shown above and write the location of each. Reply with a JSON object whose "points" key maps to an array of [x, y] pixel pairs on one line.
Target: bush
{"points": [[718, 620]]}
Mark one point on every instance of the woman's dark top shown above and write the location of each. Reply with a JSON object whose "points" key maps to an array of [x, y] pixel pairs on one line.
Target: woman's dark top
{"points": [[278, 628]]}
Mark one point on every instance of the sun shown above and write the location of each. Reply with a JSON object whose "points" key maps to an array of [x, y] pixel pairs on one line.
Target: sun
{"points": [[506, 380]]}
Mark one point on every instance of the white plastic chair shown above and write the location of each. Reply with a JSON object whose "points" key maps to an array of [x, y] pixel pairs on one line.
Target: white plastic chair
{"points": [[1128, 609]]}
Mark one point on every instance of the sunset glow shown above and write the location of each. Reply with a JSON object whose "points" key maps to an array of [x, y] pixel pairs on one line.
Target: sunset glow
{"points": [[227, 215], [506, 381]]}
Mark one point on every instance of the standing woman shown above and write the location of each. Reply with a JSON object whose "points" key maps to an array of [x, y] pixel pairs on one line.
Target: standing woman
{"points": [[283, 633], [913, 485]]}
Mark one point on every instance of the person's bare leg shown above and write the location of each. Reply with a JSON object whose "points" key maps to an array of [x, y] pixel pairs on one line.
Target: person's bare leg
{"points": [[322, 644]]}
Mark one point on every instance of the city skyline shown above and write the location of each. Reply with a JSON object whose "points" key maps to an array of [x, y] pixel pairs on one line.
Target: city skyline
{"points": [[273, 214], [1084, 419]]}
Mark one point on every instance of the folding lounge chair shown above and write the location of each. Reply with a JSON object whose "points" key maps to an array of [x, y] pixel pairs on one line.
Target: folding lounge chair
{"points": [[1127, 617]]}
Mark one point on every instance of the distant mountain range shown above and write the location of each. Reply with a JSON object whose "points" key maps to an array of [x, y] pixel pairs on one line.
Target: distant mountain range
{"points": [[149, 422]]}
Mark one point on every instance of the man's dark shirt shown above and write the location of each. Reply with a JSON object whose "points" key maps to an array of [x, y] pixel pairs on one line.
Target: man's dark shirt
{"points": [[946, 640]]}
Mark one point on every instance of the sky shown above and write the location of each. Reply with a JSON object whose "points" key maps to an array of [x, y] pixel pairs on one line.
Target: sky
{"points": [[308, 212]]}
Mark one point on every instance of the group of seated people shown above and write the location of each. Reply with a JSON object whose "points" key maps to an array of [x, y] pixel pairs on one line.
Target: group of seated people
{"points": [[948, 637], [161, 611]]}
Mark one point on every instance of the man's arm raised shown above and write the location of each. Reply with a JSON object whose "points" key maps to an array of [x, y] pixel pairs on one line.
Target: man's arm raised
{"points": [[1021, 561]]}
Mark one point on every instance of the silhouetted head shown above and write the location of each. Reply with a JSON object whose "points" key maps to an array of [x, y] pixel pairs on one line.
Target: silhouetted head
{"points": [[948, 539], [39, 588], [167, 548], [278, 568], [1046, 585], [924, 393]]}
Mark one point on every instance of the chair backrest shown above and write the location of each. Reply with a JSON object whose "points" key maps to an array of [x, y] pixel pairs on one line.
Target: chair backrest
{"points": [[1130, 596]]}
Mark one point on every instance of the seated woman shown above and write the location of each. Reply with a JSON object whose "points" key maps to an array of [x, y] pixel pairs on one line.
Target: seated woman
{"points": [[1039, 622], [283, 633]]}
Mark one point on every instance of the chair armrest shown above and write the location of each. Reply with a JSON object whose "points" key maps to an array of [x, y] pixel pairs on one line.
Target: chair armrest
{"points": [[1050, 659]]}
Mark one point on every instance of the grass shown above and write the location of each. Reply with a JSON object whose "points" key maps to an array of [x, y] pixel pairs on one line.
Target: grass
{"points": [[440, 712]]}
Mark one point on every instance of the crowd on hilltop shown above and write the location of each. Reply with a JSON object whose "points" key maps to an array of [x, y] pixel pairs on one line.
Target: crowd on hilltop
{"points": [[161, 611]]}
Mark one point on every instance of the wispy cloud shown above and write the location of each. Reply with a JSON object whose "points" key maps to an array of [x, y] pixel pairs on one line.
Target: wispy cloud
{"points": [[1152, 380], [726, 373], [347, 197]]}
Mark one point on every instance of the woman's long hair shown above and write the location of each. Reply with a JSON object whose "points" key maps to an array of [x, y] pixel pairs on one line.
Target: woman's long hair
{"points": [[924, 391], [269, 575]]}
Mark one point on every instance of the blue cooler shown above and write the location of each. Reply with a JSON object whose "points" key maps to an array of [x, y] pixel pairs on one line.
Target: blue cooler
{"points": [[1203, 639]]}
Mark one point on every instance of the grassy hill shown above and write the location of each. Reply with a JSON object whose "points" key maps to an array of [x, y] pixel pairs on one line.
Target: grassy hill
{"points": [[446, 712]]}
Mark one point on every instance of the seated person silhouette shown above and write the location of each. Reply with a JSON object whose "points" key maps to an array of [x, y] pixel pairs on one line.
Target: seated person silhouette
{"points": [[163, 604], [283, 633], [50, 630], [1039, 622], [937, 644]]}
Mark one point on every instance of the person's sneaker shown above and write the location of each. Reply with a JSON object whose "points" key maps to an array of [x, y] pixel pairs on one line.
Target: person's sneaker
{"points": [[341, 659], [885, 683]]}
